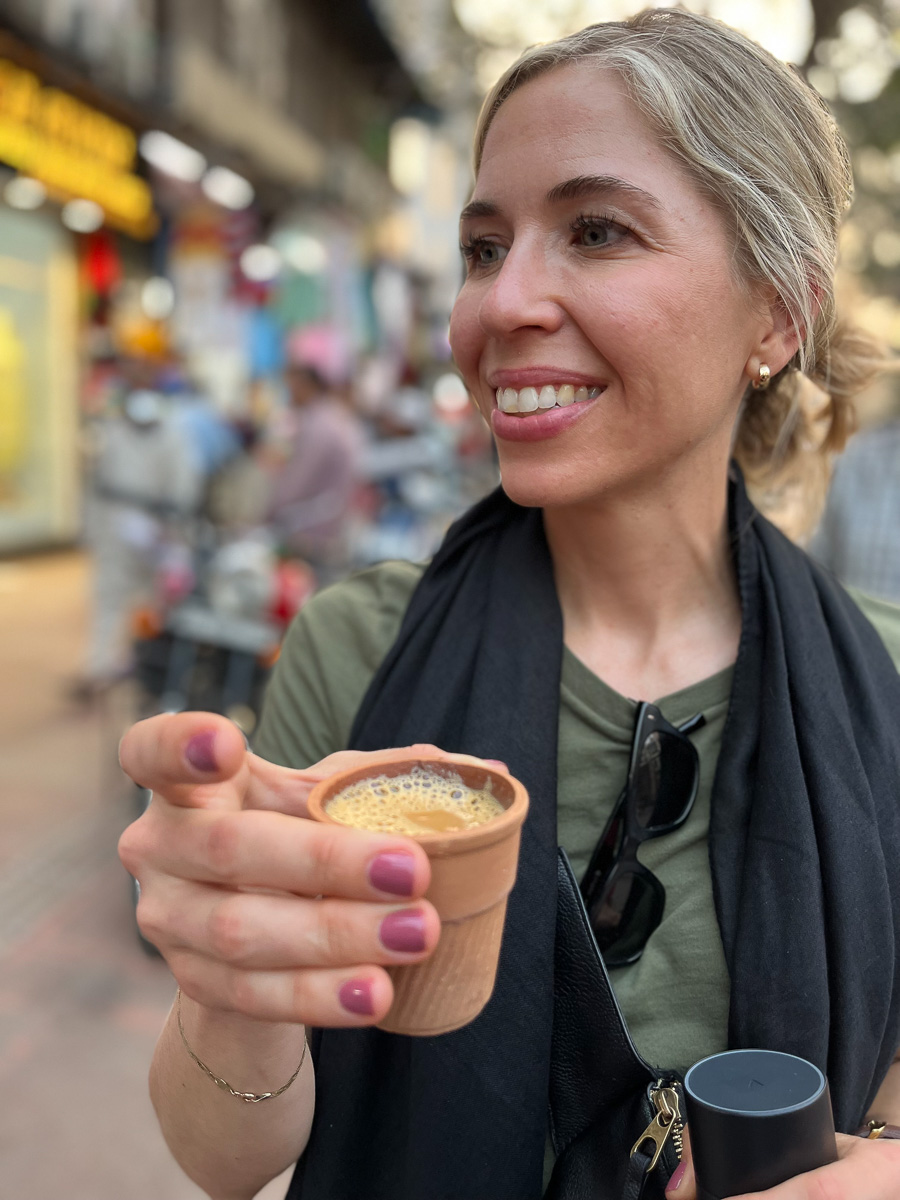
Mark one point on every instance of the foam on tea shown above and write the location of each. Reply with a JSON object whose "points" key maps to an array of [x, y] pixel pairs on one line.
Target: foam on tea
{"points": [[413, 804]]}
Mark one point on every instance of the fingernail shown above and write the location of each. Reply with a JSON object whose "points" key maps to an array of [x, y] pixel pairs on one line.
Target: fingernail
{"points": [[675, 1182], [495, 762], [393, 873], [356, 997], [200, 751], [403, 931]]}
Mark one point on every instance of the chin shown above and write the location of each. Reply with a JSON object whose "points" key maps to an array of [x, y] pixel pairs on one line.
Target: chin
{"points": [[536, 488]]}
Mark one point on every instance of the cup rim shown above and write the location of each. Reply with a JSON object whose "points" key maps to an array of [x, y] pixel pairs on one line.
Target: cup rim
{"points": [[432, 843], [755, 1114]]}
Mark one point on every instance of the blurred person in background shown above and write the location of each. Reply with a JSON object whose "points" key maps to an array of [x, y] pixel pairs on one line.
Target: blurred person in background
{"points": [[316, 460], [145, 481], [859, 535], [239, 496], [212, 440]]}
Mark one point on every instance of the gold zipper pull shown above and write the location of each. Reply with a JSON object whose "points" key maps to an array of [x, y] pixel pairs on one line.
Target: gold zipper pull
{"points": [[669, 1099], [667, 1123]]}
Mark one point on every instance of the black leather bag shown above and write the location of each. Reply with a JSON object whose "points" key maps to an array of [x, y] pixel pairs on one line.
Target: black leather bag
{"points": [[601, 1090]]}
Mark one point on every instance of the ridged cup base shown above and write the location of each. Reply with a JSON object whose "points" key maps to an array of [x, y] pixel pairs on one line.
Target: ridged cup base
{"points": [[451, 987]]}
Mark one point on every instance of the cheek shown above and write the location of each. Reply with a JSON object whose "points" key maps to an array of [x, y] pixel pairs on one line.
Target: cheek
{"points": [[664, 329], [465, 336]]}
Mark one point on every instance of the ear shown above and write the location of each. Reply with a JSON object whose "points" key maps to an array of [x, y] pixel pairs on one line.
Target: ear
{"points": [[781, 336]]}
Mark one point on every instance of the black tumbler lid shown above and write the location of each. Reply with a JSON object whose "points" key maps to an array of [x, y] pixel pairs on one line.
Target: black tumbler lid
{"points": [[757, 1118], [748, 1082]]}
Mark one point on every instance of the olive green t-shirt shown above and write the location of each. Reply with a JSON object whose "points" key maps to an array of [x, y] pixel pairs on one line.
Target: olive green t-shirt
{"points": [[675, 998]]}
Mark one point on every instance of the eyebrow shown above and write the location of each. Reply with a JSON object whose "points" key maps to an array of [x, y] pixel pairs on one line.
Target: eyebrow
{"points": [[571, 189]]}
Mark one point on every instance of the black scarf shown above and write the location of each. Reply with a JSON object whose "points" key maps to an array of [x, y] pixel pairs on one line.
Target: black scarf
{"points": [[804, 852]]}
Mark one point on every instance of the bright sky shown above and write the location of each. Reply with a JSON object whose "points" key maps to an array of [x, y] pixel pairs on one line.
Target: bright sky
{"points": [[782, 26]]}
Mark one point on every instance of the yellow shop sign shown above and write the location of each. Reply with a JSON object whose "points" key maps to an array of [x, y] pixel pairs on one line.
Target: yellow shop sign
{"points": [[73, 149]]}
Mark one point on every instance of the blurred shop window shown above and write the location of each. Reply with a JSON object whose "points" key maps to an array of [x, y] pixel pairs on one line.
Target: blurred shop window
{"points": [[13, 407], [256, 42], [38, 354], [117, 37]]}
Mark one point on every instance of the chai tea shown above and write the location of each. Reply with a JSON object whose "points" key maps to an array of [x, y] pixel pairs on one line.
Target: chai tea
{"points": [[417, 803]]}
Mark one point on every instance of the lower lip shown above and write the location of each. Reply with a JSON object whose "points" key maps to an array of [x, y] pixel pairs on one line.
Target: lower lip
{"points": [[540, 425]]}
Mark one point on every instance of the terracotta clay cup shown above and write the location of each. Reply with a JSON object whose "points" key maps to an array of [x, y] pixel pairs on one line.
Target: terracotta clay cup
{"points": [[472, 873]]}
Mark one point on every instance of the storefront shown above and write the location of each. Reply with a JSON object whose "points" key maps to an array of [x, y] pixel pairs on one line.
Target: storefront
{"points": [[67, 177], [38, 381]]}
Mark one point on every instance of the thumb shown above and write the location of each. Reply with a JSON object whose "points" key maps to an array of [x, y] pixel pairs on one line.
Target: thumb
{"points": [[193, 760], [683, 1185], [286, 789]]}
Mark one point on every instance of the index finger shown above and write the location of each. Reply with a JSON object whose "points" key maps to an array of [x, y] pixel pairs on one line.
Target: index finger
{"points": [[193, 760]]}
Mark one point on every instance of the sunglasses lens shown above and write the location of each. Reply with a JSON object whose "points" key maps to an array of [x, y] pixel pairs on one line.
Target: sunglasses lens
{"points": [[627, 912], [664, 780], [603, 858]]}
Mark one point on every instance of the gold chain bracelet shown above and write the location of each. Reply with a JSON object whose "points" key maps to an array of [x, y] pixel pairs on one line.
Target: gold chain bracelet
{"points": [[247, 1097]]}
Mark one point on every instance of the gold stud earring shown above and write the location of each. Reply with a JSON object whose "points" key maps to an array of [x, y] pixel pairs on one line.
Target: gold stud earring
{"points": [[763, 379]]}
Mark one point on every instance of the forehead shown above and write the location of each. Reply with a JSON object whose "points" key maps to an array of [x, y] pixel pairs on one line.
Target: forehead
{"points": [[573, 120]]}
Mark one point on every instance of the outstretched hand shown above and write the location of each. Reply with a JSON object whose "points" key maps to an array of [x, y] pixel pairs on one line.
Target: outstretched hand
{"points": [[256, 909]]}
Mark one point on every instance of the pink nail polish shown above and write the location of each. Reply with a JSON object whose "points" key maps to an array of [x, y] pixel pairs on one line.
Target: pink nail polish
{"points": [[403, 931], [356, 997], [393, 873], [200, 751], [675, 1182]]}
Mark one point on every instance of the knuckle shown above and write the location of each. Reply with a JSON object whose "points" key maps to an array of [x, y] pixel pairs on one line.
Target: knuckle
{"points": [[223, 847], [129, 850], [229, 936], [330, 935], [300, 996], [193, 979], [151, 919], [241, 991], [328, 858], [133, 846]]}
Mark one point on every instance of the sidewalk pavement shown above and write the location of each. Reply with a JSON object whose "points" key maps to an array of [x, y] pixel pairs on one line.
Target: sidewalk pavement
{"points": [[80, 1003]]}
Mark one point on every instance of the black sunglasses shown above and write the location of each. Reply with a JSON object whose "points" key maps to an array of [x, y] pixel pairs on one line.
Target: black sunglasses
{"points": [[624, 901]]}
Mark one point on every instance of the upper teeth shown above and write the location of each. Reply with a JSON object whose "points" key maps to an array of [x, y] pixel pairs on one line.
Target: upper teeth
{"points": [[530, 399]]}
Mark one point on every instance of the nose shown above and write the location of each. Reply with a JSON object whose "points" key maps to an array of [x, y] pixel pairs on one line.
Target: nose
{"points": [[522, 295]]}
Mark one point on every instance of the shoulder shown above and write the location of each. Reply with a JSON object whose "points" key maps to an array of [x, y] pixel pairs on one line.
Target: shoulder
{"points": [[363, 610], [329, 656], [884, 616]]}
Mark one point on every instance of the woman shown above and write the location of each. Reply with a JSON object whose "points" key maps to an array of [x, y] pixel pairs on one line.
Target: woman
{"points": [[650, 249]]}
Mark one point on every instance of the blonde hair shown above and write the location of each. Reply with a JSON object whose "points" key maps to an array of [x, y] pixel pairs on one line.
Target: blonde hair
{"points": [[760, 142]]}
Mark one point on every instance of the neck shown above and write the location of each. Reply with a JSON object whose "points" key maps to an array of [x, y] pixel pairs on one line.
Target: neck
{"points": [[646, 583]]}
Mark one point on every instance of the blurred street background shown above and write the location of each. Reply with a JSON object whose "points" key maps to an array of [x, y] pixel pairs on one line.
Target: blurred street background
{"points": [[228, 255]]}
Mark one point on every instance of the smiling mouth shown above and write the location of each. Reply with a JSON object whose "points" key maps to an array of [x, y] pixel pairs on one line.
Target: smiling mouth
{"points": [[531, 399]]}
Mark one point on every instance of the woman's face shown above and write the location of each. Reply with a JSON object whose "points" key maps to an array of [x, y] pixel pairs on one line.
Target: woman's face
{"points": [[599, 281]]}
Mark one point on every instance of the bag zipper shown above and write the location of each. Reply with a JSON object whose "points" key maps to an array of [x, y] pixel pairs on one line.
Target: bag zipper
{"points": [[667, 1122]]}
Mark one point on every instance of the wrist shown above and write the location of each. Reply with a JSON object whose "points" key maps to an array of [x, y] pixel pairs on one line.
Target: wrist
{"points": [[255, 1057]]}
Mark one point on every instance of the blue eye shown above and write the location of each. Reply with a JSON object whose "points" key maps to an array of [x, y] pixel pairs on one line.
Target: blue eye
{"points": [[595, 232], [595, 235], [479, 252]]}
